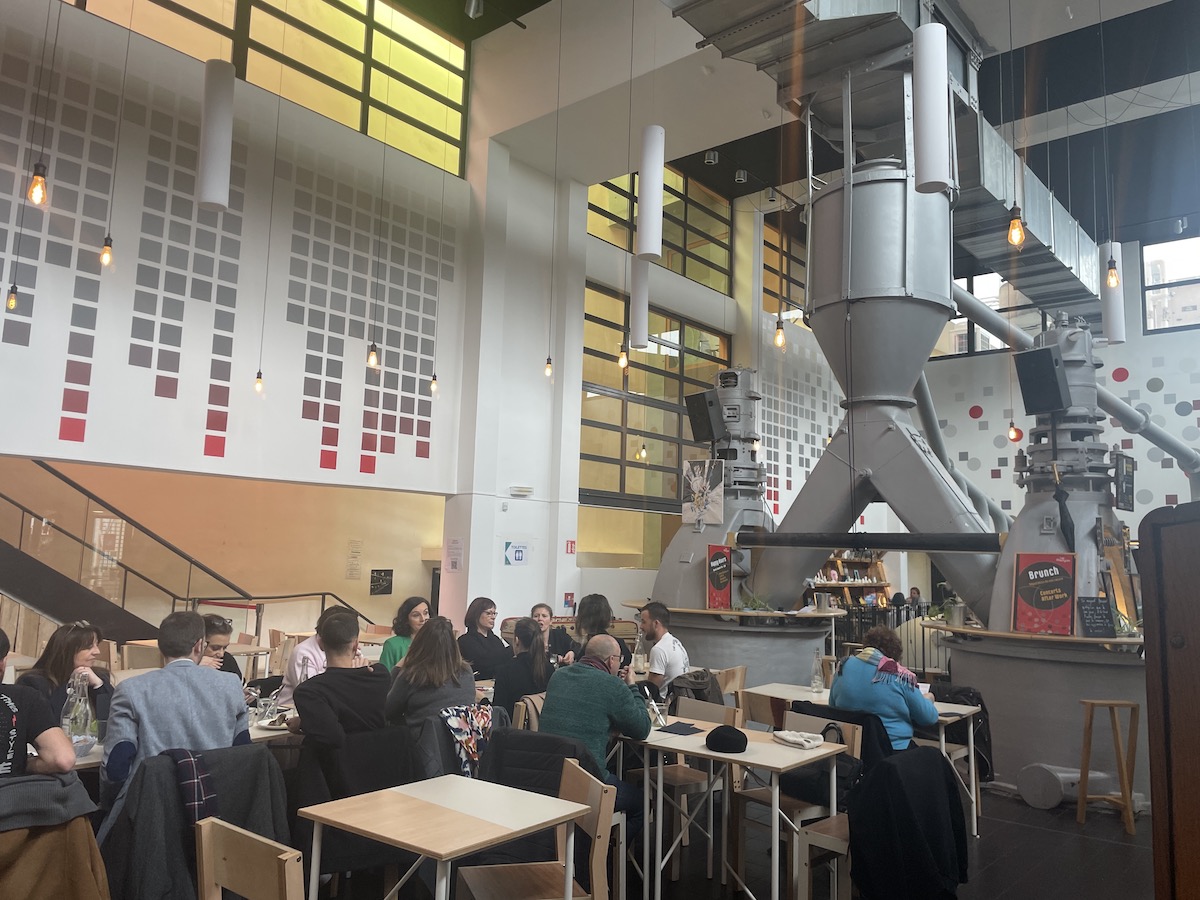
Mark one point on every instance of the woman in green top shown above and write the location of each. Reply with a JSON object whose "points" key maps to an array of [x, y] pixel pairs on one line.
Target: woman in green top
{"points": [[412, 614]]}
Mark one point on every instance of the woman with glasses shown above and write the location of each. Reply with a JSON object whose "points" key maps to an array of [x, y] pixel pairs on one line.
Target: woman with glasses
{"points": [[410, 618], [480, 646], [218, 632], [72, 648]]}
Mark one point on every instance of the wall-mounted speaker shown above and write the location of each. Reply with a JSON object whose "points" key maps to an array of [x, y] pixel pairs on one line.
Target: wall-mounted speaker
{"points": [[1043, 380], [706, 417]]}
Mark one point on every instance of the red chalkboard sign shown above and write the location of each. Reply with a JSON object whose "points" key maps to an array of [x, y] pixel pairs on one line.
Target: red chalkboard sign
{"points": [[720, 572], [1044, 593]]}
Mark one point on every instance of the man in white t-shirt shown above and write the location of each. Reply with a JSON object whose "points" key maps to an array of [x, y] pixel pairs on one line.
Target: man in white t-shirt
{"points": [[668, 659]]}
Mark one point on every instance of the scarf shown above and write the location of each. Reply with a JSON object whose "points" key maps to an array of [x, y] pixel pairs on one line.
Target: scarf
{"points": [[595, 664], [886, 668]]}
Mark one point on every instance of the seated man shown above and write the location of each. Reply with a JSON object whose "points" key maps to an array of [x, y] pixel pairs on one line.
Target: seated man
{"points": [[587, 701], [25, 718], [668, 659], [183, 705], [346, 697], [308, 659], [218, 632]]}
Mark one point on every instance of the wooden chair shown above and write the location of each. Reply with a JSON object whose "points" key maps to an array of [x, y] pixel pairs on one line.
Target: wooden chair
{"points": [[831, 839], [248, 865], [125, 674], [795, 809], [527, 711], [1125, 759], [110, 655], [281, 654], [244, 637], [377, 629], [731, 680], [764, 710], [544, 880], [137, 657]]}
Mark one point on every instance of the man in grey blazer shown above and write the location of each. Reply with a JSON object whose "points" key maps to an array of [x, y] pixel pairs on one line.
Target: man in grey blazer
{"points": [[182, 705]]}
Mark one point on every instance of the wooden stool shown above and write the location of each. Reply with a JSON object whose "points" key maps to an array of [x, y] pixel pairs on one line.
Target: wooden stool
{"points": [[1125, 759]]}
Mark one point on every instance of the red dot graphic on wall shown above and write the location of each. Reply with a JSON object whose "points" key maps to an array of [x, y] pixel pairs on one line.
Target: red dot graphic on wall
{"points": [[1121, 374], [975, 412]]}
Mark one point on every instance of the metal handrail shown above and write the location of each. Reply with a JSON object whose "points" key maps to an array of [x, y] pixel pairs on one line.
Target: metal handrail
{"points": [[257, 603], [192, 561], [104, 554]]}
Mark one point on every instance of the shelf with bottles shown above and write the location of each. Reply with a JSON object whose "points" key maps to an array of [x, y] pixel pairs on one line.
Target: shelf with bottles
{"points": [[853, 578]]}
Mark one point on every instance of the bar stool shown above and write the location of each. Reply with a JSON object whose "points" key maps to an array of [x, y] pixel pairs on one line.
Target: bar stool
{"points": [[1124, 800]]}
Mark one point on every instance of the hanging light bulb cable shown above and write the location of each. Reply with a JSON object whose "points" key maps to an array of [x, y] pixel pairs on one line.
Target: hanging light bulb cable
{"points": [[433, 381], [38, 189], [554, 199], [1016, 227], [262, 328], [780, 336], [106, 251], [1113, 277]]}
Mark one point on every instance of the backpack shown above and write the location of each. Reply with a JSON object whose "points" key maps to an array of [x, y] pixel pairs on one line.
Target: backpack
{"points": [[699, 684]]}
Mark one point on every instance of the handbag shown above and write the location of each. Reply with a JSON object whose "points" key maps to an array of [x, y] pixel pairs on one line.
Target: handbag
{"points": [[811, 783]]}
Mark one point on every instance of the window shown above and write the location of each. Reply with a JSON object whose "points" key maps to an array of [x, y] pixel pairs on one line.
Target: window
{"points": [[961, 337], [635, 433], [696, 225], [783, 275], [362, 63], [1171, 284]]}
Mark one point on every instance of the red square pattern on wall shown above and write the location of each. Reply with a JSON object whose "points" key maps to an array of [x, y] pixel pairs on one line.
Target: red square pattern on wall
{"points": [[71, 429], [328, 459], [366, 464], [214, 445]]}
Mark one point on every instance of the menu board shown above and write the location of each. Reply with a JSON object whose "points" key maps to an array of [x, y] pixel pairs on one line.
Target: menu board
{"points": [[1123, 480], [719, 581], [1044, 593], [1096, 617]]}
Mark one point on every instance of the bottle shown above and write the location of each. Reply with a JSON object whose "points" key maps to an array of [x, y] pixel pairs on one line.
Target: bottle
{"points": [[639, 654], [77, 714], [818, 673]]}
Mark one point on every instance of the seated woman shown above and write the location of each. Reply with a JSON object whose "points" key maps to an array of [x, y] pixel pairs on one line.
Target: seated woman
{"points": [[72, 648], [480, 646], [433, 677], [529, 669], [557, 639], [410, 617], [592, 617], [874, 681], [218, 631]]}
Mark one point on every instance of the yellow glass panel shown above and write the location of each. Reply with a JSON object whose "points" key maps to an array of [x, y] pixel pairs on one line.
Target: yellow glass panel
{"points": [[604, 372], [770, 235], [655, 385], [599, 442], [412, 140], [418, 33], [701, 370], [610, 201], [710, 225], [169, 29], [608, 230], [709, 252], [701, 195], [656, 356], [705, 341], [653, 420], [601, 408], [672, 233], [770, 282], [671, 178], [702, 274], [408, 100], [624, 538], [598, 476], [650, 483], [419, 68], [601, 337], [294, 44], [326, 18], [625, 183], [658, 453], [299, 88], [673, 206], [604, 306], [663, 327]]}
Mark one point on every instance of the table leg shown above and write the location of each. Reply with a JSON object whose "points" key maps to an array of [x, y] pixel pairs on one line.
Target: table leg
{"points": [[647, 789], [774, 836], [569, 868], [711, 773], [726, 787], [442, 885], [658, 825], [973, 775], [314, 863]]}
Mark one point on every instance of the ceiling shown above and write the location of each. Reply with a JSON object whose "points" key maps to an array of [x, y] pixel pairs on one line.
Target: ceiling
{"points": [[450, 16]]}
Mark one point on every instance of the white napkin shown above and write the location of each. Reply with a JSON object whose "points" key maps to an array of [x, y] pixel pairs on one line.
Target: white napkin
{"points": [[801, 739]]}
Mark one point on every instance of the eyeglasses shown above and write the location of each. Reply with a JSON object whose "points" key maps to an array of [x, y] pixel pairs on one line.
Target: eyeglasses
{"points": [[488, 612]]}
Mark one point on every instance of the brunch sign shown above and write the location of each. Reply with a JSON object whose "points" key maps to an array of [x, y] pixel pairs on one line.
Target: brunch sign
{"points": [[1044, 593]]}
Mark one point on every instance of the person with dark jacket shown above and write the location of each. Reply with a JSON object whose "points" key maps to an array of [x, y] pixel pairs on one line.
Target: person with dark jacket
{"points": [[592, 618], [344, 699], [528, 671], [72, 648], [218, 632], [433, 677], [479, 645], [558, 639], [25, 718]]}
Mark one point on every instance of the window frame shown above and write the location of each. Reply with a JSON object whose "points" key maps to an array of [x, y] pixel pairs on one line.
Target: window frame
{"points": [[1164, 285]]}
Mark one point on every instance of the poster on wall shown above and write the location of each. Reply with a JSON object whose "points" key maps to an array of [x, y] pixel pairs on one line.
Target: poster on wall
{"points": [[704, 491], [720, 571], [1044, 593]]}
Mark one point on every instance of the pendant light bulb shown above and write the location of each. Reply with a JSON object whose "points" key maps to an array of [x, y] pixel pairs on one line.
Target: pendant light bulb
{"points": [[643, 453], [106, 252], [549, 367], [12, 297], [780, 337], [258, 384], [1114, 277], [37, 187], [433, 384], [1016, 229], [829, 438], [373, 356], [1014, 433], [623, 359]]}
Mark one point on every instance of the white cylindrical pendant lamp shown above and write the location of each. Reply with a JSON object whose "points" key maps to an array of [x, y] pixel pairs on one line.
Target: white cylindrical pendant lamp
{"points": [[216, 136], [931, 109], [648, 242], [639, 304], [1112, 299]]}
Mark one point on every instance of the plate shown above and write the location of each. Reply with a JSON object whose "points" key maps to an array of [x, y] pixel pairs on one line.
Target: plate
{"points": [[266, 727]]}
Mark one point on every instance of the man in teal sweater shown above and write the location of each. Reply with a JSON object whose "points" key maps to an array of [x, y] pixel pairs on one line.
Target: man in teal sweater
{"points": [[588, 702]]}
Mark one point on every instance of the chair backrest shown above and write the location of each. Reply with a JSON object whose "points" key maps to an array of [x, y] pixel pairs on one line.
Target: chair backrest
{"points": [[281, 654], [244, 637], [110, 655], [275, 637], [251, 866], [134, 656], [875, 743], [578, 786], [528, 710], [762, 709], [794, 721], [732, 679], [377, 629], [689, 708], [125, 674]]}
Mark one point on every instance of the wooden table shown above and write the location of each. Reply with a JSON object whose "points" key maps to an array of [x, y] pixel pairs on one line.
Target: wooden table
{"points": [[762, 752], [258, 735], [443, 819], [948, 714]]}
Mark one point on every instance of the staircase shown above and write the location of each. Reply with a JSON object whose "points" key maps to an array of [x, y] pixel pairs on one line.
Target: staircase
{"points": [[68, 556]]}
